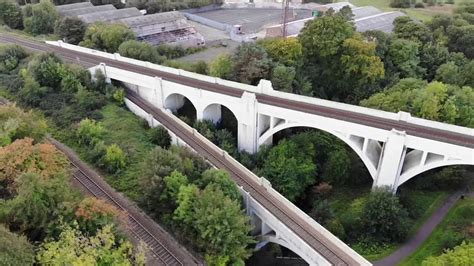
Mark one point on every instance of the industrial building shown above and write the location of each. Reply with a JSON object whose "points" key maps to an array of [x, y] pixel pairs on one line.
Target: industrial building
{"points": [[169, 27]]}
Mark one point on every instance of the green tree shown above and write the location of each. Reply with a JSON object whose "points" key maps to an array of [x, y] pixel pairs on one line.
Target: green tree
{"points": [[283, 78], [460, 255], [107, 37], [406, 28], [431, 58], [220, 227], [41, 18], [10, 14], [89, 132], [337, 168], [251, 64], [159, 136], [140, 51], [114, 159], [460, 39], [15, 250], [405, 57], [173, 184], [74, 248], [221, 66], [448, 73], [322, 212], [71, 29], [10, 57], [38, 204], [289, 169], [47, 69], [286, 51], [17, 124], [222, 180], [383, 216]]}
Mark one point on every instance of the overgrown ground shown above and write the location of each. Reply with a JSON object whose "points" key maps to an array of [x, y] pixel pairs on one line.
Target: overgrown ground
{"points": [[126, 129], [457, 224], [423, 14], [348, 201]]}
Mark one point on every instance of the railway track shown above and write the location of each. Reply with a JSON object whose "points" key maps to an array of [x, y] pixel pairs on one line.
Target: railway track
{"points": [[302, 228], [89, 60], [137, 225]]}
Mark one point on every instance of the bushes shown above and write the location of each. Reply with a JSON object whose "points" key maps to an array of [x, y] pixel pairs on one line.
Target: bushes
{"points": [[106, 37], [10, 56], [114, 159], [383, 217], [159, 136], [140, 51], [10, 14], [70, 29], [40, 18], [89, 132]]}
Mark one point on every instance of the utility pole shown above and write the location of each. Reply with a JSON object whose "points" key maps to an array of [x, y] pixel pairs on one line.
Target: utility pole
{"points": [[286, 7]]}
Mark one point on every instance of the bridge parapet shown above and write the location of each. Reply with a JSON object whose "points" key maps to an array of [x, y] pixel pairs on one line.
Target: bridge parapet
{"points": [[265, 88]]}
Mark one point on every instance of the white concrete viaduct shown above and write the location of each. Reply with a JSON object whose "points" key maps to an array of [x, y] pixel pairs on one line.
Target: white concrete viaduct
{"points": [[391, 156]]}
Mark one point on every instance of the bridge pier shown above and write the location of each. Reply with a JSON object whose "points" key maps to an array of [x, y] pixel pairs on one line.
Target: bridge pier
{"points": [[391, 161], [247, 124]]}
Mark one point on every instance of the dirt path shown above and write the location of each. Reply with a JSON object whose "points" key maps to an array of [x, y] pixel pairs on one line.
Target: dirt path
{"points": [[423, 233]]}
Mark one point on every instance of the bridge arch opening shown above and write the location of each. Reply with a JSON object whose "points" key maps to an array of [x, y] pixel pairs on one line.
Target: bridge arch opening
{"points": [[222, 117], [363, 166], [182, 107], [438, 176]]}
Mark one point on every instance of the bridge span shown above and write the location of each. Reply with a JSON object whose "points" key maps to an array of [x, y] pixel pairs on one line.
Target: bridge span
{"points": [[393, 146]]}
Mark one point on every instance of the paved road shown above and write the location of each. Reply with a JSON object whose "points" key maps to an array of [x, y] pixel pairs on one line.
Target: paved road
{"points": [[424, 232], [377, 122]]}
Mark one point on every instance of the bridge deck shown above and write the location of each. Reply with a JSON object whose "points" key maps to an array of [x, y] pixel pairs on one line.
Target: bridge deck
{"points": [[340, 114]]}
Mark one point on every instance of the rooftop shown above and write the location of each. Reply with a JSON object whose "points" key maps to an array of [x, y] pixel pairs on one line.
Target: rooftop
{"points": [[62, 8], [157, 18], [382, 22], [365, 11], [110, 15], [86, 10]]}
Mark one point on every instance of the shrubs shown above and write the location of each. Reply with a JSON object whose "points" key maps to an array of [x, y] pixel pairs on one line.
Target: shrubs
{"points": [[70, 29], [140, 51], [114, 159], [159, 136], [10, 56], [89, 132], [10, 14]]}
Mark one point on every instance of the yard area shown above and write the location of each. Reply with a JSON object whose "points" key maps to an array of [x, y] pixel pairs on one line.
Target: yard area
{"points": [[423, 14]]}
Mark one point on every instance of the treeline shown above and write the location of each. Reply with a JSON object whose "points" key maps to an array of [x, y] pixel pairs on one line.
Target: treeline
{"points": [[202, 205], [57, 225]]}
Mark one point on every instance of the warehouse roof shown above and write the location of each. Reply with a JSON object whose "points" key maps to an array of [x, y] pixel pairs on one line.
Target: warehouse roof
{"points": [[152, 19], [365, 11], [382, 22], [86, 10], [110, 15], [62, 8]]}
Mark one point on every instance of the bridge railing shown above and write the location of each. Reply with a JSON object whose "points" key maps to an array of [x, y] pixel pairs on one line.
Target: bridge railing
{"points": [[266, 184], [265, 87]]}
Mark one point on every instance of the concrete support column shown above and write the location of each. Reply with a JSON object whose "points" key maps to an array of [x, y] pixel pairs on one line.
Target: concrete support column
{"points": [[391, 160], [158, 93], [247, 124]]}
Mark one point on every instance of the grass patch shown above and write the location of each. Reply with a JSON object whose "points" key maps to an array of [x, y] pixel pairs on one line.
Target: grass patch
{"points": [[429, 201], [125, 129], [449, 232], [423, 14]]}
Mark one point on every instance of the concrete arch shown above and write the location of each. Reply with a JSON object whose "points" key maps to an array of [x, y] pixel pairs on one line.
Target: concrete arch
{"points": [[213, 112], [174, 101], [404, 177], [356, 148], [312, 260]]}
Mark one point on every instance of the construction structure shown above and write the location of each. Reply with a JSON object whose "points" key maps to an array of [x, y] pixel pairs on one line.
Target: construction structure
{"points": [[168, 27]]}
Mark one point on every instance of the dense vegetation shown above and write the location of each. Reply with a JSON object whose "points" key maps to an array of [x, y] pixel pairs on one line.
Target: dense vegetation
{"points": [[174, 185]]}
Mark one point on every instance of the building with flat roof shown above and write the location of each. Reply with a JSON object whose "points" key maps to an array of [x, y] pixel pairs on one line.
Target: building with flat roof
{"points": [[167, 27], [110, 15]]}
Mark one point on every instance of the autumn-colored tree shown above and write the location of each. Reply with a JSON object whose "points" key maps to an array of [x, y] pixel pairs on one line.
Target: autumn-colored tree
{"points": [[93, 213], [23, 157]]}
